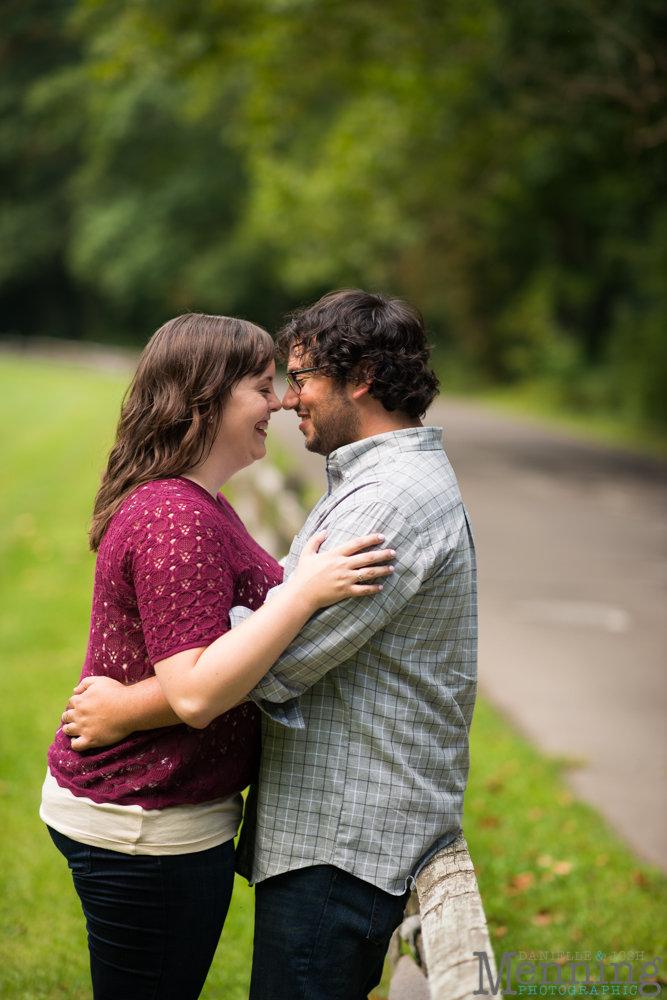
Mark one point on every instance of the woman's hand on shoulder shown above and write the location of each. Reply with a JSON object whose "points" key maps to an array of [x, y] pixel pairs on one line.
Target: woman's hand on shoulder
{"points": [[325, 578]]}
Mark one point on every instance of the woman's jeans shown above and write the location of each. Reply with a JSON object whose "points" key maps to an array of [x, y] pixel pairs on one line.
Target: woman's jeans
{"points": [[153, 921]]}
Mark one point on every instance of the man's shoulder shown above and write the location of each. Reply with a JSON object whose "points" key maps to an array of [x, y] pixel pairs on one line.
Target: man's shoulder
{"points": [[414, 493], [410, 480]]}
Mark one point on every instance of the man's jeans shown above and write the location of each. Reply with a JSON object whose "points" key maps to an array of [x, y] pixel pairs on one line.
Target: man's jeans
{"points": [[153, 922], [321, 934]]}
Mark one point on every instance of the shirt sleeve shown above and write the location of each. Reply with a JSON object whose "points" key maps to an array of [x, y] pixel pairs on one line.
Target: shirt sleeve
{"points": [[182, 580], [336, 633]]}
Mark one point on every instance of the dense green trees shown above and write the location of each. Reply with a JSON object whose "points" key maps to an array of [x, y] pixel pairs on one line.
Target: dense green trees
{"points": [[501, 162], [38, 155]]}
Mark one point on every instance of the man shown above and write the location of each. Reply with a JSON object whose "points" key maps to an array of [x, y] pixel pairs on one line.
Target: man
{"points": [[366, 714]]}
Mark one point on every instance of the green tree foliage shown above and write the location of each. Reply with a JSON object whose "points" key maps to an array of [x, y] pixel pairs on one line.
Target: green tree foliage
{"points": [[37, 156], [500, 162]]}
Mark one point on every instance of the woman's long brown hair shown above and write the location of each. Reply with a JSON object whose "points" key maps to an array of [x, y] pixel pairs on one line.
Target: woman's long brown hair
{"points": [[173, 407]]}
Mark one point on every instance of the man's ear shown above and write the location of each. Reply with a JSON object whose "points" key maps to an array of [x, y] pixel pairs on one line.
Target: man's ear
{"points": [[365, 377], [362, 389]]}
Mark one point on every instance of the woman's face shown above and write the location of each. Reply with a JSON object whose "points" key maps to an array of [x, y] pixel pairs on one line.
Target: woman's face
{"points": [[245, 418]]}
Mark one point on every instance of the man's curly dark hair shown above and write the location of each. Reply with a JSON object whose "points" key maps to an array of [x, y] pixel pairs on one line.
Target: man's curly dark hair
{"points": [[353, 335]]}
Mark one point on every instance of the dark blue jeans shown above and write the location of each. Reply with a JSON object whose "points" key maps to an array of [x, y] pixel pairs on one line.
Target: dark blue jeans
{"points": [[321, 934], [153, 922]]}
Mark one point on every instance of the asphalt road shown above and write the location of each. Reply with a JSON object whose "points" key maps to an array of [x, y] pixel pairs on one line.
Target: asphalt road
{"points": [[572, 575]]}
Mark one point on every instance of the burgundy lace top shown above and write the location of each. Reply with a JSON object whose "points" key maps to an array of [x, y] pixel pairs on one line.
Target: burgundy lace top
{"points": [[172, 562]]}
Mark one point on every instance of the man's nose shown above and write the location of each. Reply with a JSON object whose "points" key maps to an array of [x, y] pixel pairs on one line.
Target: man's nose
{"points": [[290, 399]]}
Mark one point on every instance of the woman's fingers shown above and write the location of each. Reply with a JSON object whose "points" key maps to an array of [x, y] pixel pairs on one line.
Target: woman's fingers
{"points": [[365, 591], [370, 558], [314, 542], [363, 542], [371, 573]]}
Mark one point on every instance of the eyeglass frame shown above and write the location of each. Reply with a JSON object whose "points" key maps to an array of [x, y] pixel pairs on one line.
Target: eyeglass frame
{"points": [[292, 380]]}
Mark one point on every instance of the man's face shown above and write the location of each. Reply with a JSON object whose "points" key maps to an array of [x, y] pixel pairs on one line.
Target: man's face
{"points": [[329, 418]]}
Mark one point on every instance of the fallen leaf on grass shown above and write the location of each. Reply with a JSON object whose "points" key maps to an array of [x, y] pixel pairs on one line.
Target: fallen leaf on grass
{"points": [[520, 883], [562, 867]]}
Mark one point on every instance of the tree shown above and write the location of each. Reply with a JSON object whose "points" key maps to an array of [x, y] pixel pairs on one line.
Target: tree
{"points": [[38, 154], [500, 163]]}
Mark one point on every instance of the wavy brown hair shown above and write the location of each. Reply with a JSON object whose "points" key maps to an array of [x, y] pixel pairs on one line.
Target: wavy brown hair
{"points": [[172, 409]]}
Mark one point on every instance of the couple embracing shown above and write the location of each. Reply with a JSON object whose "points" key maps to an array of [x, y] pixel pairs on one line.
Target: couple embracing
{"points": [[354, 667]]}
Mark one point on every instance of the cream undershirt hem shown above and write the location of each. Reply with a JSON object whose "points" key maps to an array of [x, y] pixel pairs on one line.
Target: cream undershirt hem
{"points": [[182, 829]]}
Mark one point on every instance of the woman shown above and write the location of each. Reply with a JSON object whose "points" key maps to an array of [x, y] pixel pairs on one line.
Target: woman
{"points": [[147, 824]]}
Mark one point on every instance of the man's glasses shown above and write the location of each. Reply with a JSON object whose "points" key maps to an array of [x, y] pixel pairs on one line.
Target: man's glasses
{"points": [[294, 380]]}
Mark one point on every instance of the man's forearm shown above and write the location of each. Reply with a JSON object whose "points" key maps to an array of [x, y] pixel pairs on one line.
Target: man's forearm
{"points": [[103, 711], [147, 707]]}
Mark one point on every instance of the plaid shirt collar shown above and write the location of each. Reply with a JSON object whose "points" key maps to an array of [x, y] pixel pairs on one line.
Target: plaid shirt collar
{"points": [[350, 459]]}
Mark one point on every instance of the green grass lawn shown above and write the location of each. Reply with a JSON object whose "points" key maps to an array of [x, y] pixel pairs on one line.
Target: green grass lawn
{"points": [[552, 876]]}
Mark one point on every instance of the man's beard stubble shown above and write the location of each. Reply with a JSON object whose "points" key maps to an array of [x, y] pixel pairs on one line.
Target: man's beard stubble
{"points": [[337, 424]]}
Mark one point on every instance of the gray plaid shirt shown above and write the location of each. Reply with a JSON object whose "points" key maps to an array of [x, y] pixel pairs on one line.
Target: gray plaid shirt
{"points": [[367, 712]]}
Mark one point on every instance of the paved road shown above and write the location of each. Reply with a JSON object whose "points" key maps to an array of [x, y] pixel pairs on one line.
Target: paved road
{"points": [[572, 572]]}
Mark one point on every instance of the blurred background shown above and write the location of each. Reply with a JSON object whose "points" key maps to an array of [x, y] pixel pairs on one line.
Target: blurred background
{"points": [[503, 166]]}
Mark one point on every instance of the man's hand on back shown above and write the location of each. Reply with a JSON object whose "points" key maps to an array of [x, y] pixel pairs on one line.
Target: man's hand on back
{"points": [[103, 711]]}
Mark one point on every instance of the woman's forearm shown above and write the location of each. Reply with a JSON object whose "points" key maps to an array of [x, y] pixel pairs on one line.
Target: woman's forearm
{"points": [[197, 685], [202, 684]]}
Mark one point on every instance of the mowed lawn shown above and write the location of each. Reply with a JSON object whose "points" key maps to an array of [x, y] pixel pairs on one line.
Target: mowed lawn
{"points": [[553, 878]]}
